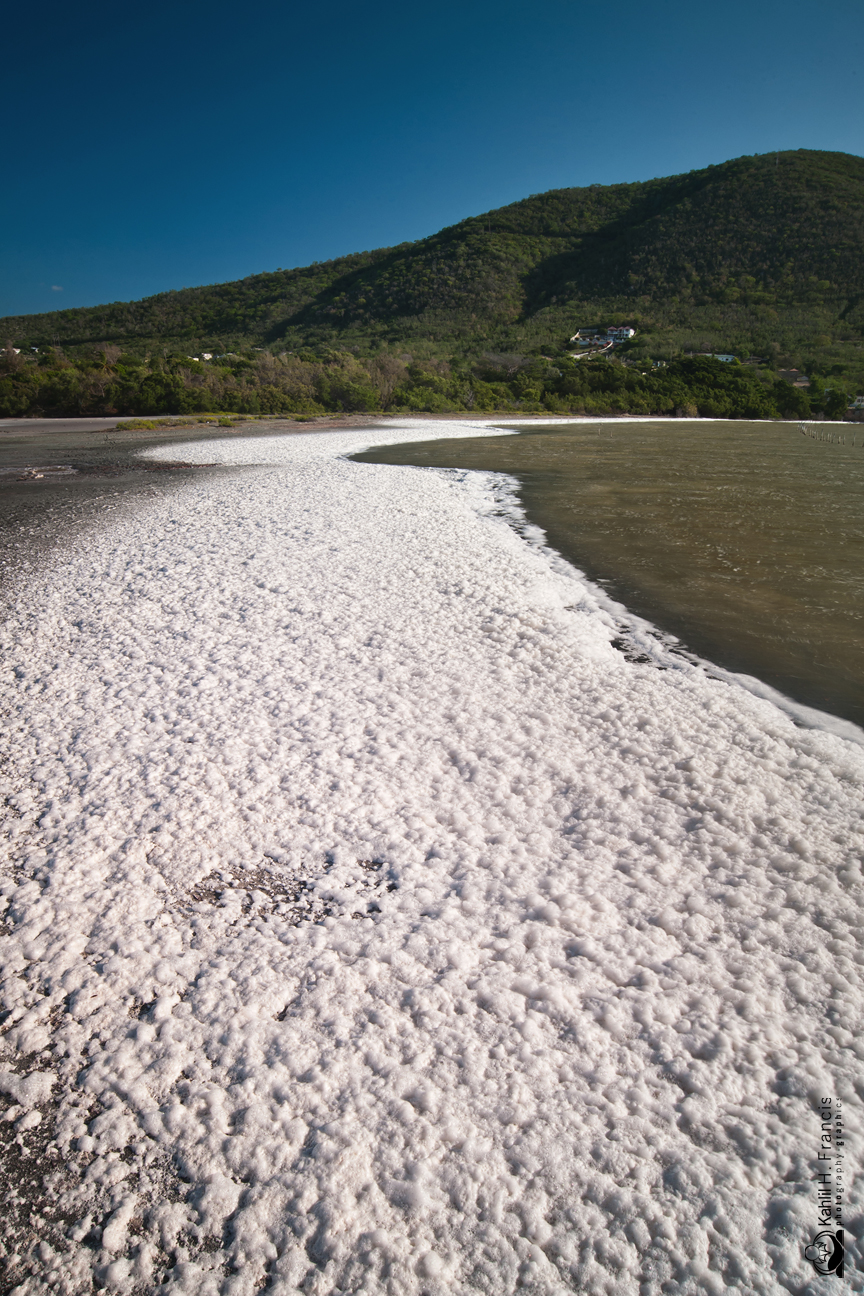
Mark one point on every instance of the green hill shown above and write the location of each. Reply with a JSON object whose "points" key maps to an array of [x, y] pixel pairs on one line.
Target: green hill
{"points": [[761, 255]]}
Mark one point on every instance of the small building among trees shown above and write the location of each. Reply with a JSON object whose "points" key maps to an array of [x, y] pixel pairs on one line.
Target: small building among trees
{"points": [[603, 337]]}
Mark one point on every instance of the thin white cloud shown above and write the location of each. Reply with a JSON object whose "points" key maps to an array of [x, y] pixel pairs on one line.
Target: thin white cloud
{"points": [[56, 288]]}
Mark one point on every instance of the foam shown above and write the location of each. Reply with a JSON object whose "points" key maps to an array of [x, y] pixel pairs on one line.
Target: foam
{"points": [[583, 945]]}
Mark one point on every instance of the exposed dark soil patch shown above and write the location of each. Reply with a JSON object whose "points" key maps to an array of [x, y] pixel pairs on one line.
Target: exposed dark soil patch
{"points": [[292, 897]]}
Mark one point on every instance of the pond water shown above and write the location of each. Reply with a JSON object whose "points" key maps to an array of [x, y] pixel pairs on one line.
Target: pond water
{"points": [[745, 540]]}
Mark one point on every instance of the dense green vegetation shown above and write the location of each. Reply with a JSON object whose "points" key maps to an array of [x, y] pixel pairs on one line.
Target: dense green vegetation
{"points": [[759, 256], [316, 383]]}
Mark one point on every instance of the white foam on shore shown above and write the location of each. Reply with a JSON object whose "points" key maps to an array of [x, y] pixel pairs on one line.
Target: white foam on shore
{"points": [[582, 1041]]}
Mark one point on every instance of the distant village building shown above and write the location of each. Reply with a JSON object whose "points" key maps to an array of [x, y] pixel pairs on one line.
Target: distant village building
{"points": [[727, 359], [795, 377], [603, 337]]}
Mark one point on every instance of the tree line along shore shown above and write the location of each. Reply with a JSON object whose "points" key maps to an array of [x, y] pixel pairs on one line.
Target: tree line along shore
{"points": [[109, 381]]}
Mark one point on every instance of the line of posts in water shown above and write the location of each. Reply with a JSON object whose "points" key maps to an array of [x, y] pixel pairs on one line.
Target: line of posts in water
{"points": [[822, 434]]}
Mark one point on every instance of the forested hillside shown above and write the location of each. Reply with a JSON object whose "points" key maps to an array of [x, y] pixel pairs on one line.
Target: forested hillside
{"points": [[761, 255]]}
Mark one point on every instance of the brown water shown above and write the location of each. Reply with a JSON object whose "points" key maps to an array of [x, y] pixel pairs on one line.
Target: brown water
{"points": [[746, 540]]}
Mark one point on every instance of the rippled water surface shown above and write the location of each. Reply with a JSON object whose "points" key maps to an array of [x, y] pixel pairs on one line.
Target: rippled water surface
{"points": [[746, 540]]}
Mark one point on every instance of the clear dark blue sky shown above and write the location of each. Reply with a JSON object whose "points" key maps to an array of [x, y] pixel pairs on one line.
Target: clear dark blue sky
{"points": [[163, 145]]}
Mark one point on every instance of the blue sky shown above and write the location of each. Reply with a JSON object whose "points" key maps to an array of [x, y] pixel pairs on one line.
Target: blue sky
{"points": [[167, 145]]}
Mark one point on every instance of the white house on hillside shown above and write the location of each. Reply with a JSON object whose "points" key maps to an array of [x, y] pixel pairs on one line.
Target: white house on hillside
{"points": [[607, 337]]}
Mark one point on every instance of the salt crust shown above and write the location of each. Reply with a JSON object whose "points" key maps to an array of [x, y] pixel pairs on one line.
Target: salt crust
{"points": [[577, 1041]]}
